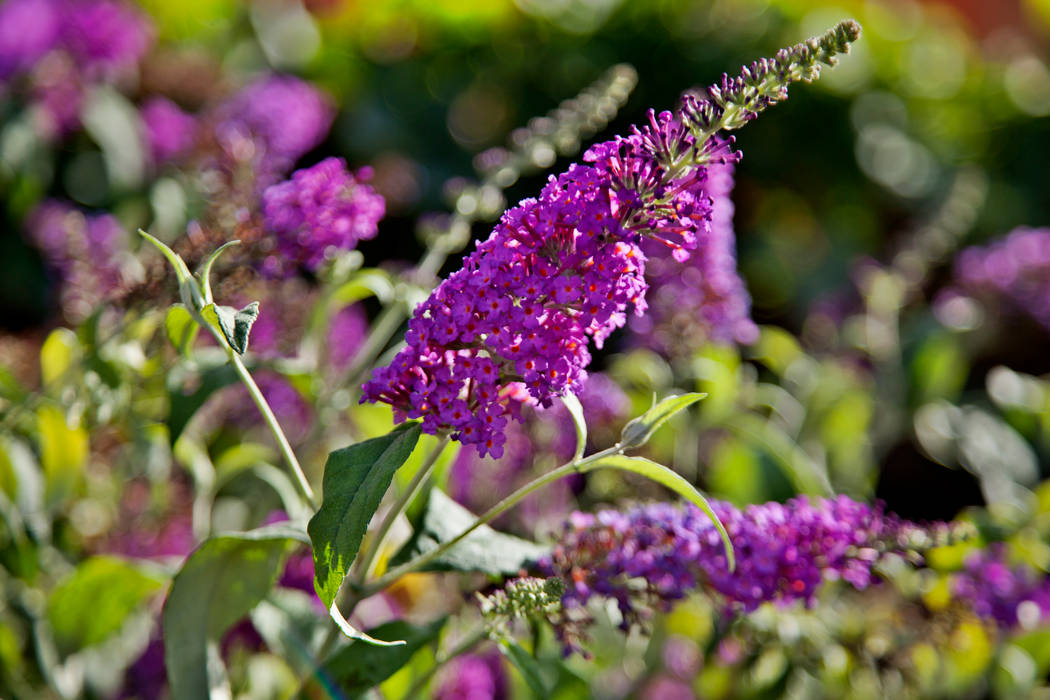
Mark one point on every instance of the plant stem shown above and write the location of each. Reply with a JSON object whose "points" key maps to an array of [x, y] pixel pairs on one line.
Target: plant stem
{"points": [[466, 644], [422, 475], [271, 421], [493, 512], [388, 322]]}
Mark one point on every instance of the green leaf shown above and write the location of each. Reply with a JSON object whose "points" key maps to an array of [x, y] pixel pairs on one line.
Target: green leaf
{"points": [[289, 622], [638, 431], [526, 665], [355, 479], [205, 271], [358, 666], [576, 411], [354, 633], [181, 328], [57, 354], [666, 477], [95, 600], [219, 583], [63, 452], [235, 325], [484, 550]]}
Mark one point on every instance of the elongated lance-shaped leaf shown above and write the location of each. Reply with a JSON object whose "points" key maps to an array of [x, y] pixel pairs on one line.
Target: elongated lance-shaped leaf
{"points": [[181, 328], [219, 583], [526, 665], [355, 479], [638, 431], [576, 411], [205, 271], [672, 480], [189, 291], [354, 633]]}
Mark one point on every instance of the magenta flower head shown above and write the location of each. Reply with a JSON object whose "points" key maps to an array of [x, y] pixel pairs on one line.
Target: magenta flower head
{"points": [[320, 211], [1009, 595], [516, 322], [170, 132]]}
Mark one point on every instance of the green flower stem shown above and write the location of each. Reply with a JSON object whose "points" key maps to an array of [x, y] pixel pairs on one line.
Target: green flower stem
{"points": [[368, 558], [506, 504], [466, 644], [271, 420]]}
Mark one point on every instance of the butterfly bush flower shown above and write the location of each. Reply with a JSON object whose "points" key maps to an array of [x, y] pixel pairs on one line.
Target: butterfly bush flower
{"points": [[1016, 268], [565, 269], [320, 211], [272, 123], [170, 132], [89, 253], [1008, 595], [103, 37], [656, 554], [703, 299]]}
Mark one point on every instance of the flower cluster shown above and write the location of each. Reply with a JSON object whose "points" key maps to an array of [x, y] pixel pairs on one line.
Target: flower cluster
{"points": [[89, 253], [656, 554], [170, 132], [558, 271], [271, 123], [320, 211], [62, 46], [1016, 268], [1008, 595], [704, 299], [516, 321]]}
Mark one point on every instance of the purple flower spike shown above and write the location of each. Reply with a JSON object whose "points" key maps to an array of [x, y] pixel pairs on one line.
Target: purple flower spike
{"points": [[105, 37], [515, 323], [321, 211], [783, 552]]}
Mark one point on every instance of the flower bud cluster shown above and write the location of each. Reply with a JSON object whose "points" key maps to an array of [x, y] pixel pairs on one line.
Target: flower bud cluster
{"points": [[1016, 268]]}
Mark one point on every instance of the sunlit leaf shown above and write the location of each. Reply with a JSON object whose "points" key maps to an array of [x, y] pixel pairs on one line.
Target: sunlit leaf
{"points": [[181, 328], [235, 325], [57, 354], [638, 431], [355, 479], [576, 411], [63, 452]]}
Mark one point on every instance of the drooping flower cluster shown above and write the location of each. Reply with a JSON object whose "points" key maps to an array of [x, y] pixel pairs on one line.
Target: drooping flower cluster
{"points": [[271, 123], [170, 132], [704, 299], [563, 269], [1016, 268], [653, 555], [63, 46], [320, 211], [1009, 595], [89, 253]]}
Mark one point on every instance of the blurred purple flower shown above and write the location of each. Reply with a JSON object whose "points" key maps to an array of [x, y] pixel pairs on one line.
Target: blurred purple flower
{"points": [[104, 37], [703, 299], [321, 211], [996, 590], [170, 132], [477, 676], [783, 553], [28, 30], [1016, 268], [347, 331], [271, 123], [87, 252]]}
